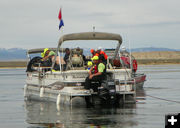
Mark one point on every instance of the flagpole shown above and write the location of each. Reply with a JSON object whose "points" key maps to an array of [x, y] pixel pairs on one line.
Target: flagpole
{"points": [[60, 53], [59, 59], [62, 47], [60, 25]]}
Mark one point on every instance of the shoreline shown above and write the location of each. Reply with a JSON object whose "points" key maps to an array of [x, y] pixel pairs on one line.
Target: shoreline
{"points": [[22, 64]]}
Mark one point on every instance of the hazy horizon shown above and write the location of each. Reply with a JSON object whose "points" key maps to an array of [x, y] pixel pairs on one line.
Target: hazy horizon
{"points": [[102, 47]]}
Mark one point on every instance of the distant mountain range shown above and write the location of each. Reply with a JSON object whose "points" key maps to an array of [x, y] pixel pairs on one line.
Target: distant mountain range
{"points": [[20, 54], [12, 54], [150, 49]]}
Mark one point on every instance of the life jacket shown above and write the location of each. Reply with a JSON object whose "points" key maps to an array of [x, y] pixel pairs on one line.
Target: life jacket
{"points": [[96, 69], [134, 65]]}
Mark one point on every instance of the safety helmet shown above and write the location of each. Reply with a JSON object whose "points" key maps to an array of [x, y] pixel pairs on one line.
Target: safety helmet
{"points": [[45, 50], [42, 54], [95, 58], [90, 63]]}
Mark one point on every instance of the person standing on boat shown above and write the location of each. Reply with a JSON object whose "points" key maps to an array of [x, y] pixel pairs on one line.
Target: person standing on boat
{"points": [[102, 54], [96, 73], [67, 54], [66, 57], [93, 52]]}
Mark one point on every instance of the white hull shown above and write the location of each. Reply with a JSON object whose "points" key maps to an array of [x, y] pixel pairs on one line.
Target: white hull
{"points": [[46, 88]]}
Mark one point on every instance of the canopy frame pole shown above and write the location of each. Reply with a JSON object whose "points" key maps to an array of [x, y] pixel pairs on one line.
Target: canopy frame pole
{"points": [[59, 60], [117, 49]]}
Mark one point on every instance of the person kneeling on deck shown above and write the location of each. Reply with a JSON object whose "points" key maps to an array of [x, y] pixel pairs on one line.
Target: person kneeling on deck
{"points": [[49, 56], [66, 58], [96, 73]]}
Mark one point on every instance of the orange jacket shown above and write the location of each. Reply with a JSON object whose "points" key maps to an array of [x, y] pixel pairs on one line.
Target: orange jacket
{"points": [[93, 52], [102, 52]]}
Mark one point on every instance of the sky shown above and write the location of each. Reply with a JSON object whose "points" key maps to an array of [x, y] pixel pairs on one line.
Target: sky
{"points": [[141, 23]]}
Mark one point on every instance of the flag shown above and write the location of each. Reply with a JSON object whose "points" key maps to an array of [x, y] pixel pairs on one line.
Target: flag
{"points": [[61, 20]]}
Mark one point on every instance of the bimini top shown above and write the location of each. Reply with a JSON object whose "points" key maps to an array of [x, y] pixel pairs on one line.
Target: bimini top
{"points": [[90, 36], [39, 50]]}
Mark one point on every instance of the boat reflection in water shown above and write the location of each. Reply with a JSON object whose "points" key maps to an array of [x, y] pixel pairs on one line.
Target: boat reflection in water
{"points": [[47, 114]]}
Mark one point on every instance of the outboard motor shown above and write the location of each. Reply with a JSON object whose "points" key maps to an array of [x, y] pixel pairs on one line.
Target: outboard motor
{"points": [[107, 91]]}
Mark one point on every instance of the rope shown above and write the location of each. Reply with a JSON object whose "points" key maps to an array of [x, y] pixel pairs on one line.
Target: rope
{"points": [[164, 99]]}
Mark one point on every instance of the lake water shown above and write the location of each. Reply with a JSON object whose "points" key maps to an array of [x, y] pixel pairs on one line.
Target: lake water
{"points": [[163, 81]]}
